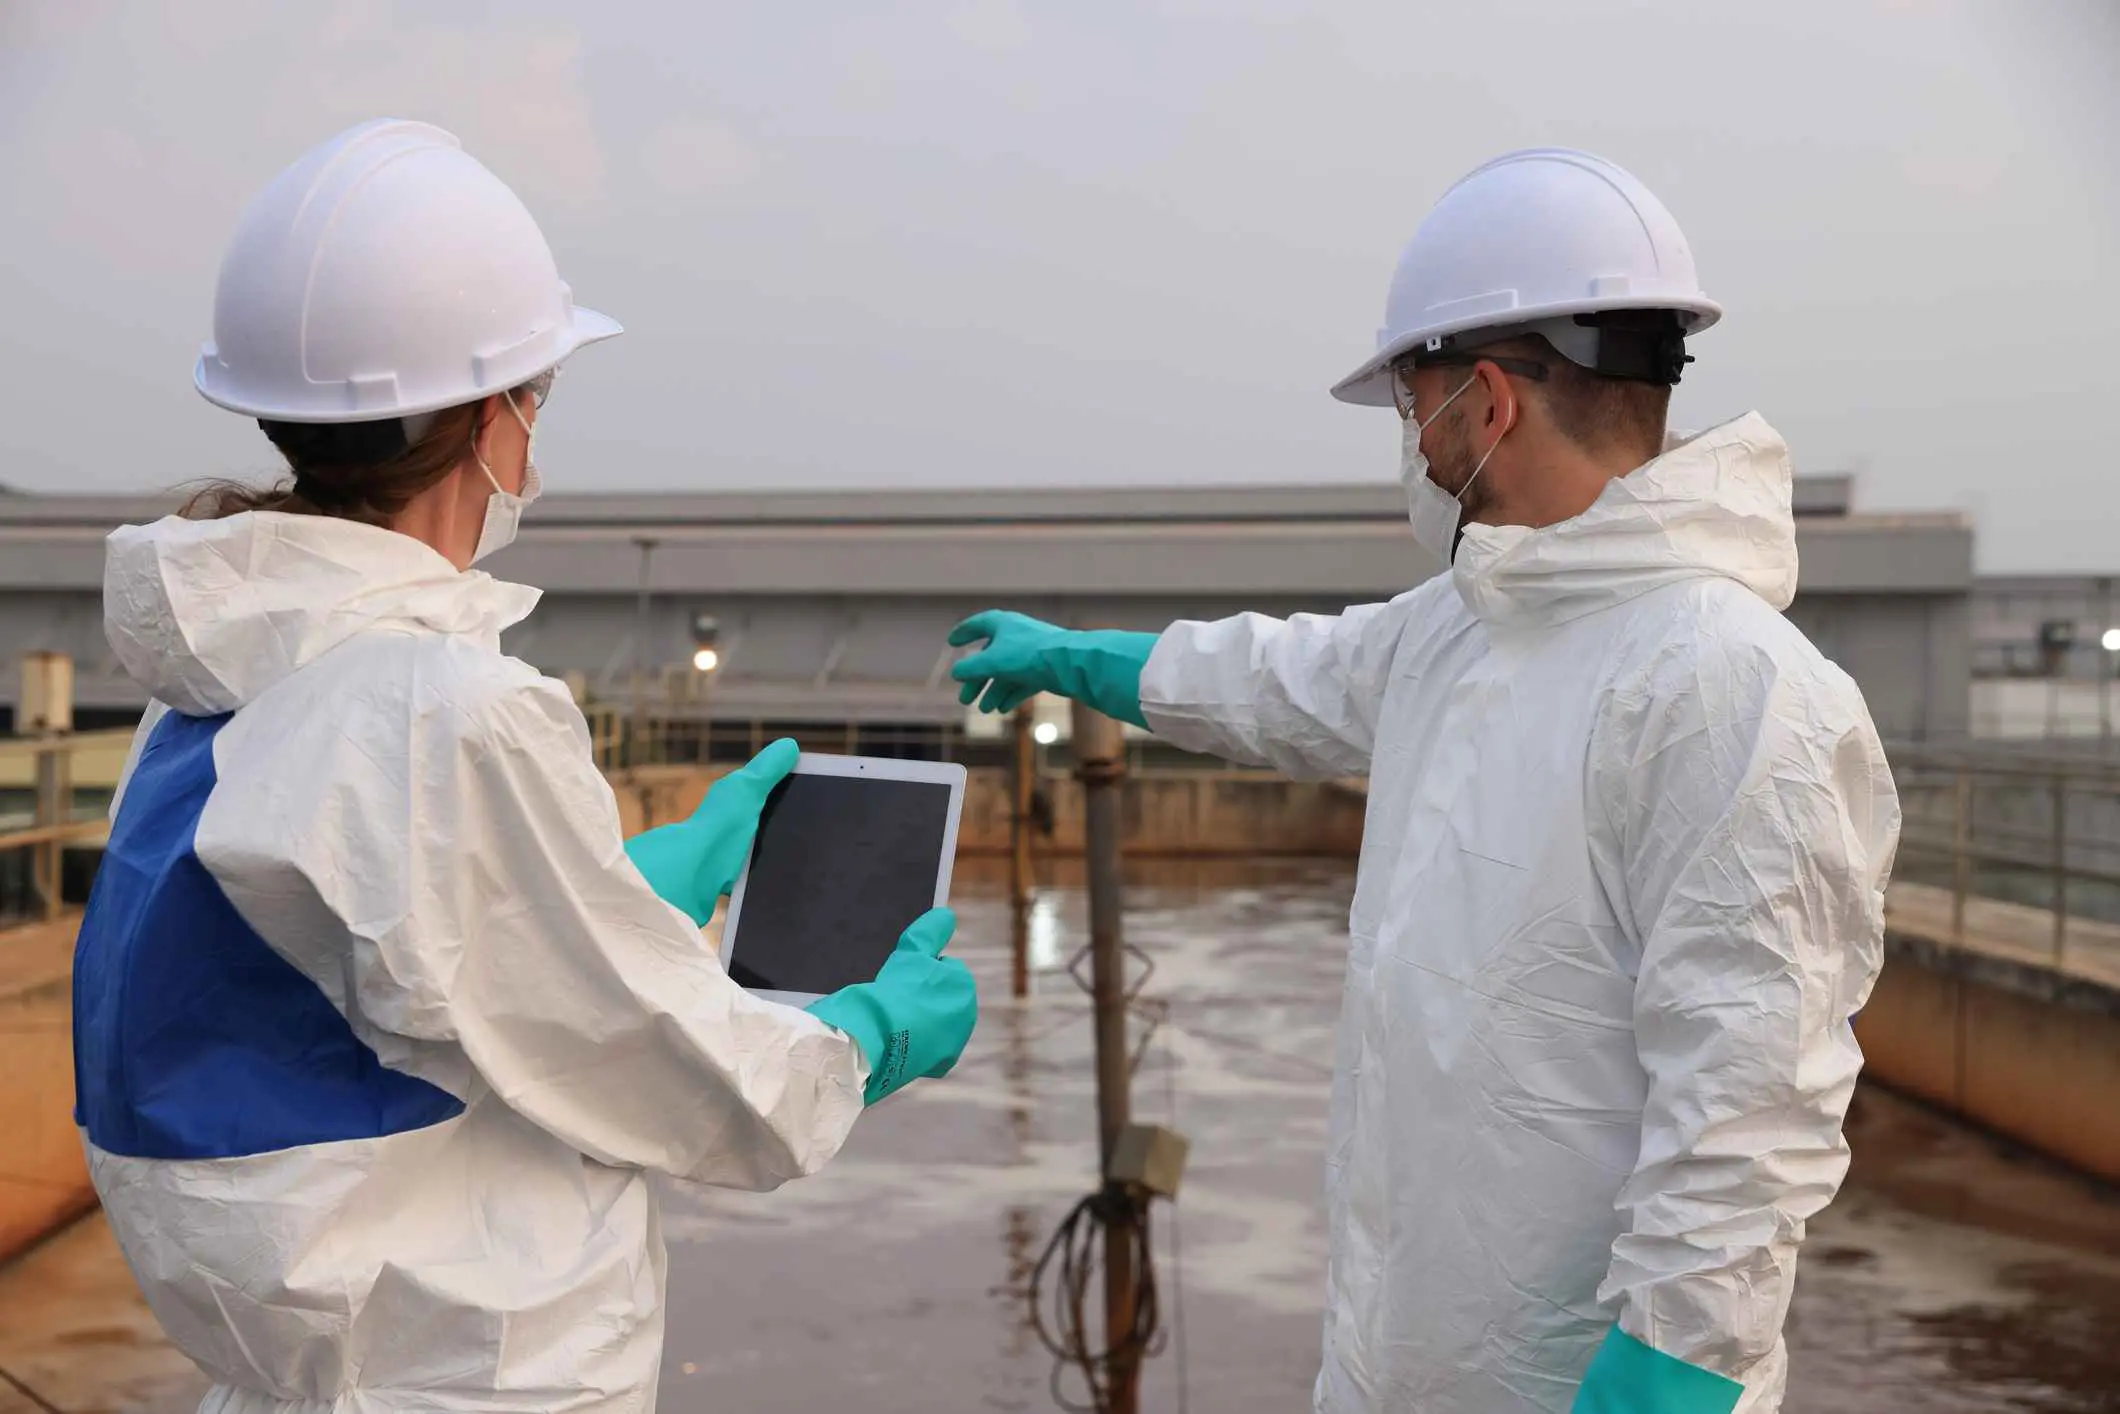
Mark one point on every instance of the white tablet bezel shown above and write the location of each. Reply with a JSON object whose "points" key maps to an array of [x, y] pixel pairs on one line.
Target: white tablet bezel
{"points": [[878, 768]]}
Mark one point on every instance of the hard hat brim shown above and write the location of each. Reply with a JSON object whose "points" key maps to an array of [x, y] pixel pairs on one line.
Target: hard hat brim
{"points": [[591, 327], [1370, 384], [586, 327]]}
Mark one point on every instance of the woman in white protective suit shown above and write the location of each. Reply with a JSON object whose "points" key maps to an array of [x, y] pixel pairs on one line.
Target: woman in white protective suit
{"points": [[1621, 885], [379, 1025]]}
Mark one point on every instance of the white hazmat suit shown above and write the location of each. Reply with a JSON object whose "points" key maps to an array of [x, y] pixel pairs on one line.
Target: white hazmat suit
{"points": [[384, 1029], [1621, 893]]}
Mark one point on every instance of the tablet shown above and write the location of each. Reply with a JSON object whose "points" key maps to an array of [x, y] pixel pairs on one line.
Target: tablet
{"points": [[850, 850]]}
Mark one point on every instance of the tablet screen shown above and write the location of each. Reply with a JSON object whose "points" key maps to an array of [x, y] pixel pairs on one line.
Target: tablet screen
{"points": [[841, 865]]}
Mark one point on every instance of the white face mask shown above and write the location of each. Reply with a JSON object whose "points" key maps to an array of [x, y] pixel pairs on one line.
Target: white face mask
{"points": [[1435, 512], [504, 509]]}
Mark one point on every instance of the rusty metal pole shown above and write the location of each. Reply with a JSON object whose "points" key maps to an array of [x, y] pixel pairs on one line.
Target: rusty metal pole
{"points": [[1021, 780], [1100, 764]]}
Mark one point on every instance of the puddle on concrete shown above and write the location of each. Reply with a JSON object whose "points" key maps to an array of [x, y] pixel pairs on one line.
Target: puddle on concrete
{"points": [[896, 1277], [1957, 1272]]}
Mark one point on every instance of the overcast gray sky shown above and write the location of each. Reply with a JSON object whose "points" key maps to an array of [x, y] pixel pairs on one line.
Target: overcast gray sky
{"points": [[1007, 242]]}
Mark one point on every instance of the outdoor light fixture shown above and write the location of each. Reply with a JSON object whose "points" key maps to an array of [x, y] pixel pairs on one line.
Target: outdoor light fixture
{"points": [[1046, 733], [2111, 641], [706, 637]]}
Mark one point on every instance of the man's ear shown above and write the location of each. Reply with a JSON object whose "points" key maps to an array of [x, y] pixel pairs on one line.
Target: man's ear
{"points": [[1502, 410]]}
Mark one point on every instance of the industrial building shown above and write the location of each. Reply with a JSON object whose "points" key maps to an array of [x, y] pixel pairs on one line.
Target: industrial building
{"points": [[2046, 653], [819, 610]]}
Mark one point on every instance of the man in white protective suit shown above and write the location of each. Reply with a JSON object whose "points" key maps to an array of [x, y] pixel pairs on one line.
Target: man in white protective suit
{"points": [[1622, 881]]}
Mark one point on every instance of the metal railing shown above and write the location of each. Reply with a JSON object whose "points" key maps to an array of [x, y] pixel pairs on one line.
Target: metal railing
{"points": [[621, 739], [47, 815], [2040, 830], [2013, 824]]}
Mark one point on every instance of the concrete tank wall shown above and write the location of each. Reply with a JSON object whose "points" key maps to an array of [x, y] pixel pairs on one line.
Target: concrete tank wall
{"points": [[2038, 1068], [43, 1176]]}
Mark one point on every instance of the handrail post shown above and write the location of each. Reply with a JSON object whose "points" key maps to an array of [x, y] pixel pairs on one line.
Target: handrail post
{"points": [[2060, 867], [1961, 852], [49, 865], [47, 714]]}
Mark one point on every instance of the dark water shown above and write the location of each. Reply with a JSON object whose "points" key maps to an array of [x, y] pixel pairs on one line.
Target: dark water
{"points": [[1952, 1275]]}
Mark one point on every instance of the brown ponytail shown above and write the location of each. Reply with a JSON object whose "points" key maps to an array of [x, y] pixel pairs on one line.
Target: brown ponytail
{"points": [[360, 471]]}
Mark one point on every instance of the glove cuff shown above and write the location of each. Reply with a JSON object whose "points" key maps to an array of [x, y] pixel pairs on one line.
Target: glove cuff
{"points": [[855, 1012], [1629, 1377], [1103, 668]]}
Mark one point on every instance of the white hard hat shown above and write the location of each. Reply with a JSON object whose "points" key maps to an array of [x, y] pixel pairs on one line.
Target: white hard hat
{"points": [[1528, 239], [385, 274]]}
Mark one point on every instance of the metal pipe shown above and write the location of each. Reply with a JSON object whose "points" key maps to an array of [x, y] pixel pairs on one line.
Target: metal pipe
{"points": [[1100, 764], [1019, 859]]}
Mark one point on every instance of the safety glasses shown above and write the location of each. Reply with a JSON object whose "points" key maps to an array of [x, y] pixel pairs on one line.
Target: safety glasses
{"points": [[540, 387], [1402, 373]]}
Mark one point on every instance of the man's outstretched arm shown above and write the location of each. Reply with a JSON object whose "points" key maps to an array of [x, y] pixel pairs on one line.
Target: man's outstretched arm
{"points": [[1300, 694]]}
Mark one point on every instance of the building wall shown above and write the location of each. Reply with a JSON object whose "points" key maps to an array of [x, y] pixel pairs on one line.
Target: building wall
{"points": [[850, 657], [2009, 613], [2046, 709], [834, 607], [1909, 654], [66, 621]]}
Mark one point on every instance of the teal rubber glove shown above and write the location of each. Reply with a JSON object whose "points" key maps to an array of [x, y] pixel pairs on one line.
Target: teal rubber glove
{"points": [[1628, 1377], [694, 862], [914, 1020], [1024, 657]]}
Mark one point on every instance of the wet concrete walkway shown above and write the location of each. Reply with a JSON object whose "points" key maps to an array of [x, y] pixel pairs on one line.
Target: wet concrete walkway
{"points": [[1953, 1275]]}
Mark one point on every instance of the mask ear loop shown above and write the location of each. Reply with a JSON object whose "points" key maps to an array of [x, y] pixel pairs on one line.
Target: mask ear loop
{"points": [[513, 407], [1420, 427], [478, 453], [529, 434], [532, 482], [1481, 465]]}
